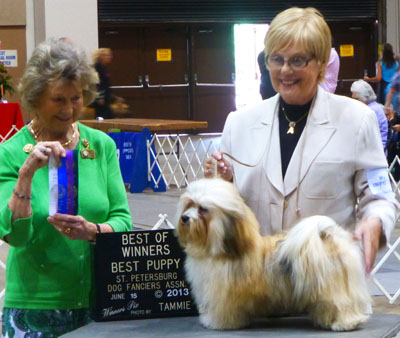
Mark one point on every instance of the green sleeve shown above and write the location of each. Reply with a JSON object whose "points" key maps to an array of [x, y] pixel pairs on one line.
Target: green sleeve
{"points": [[119, 217], [21, 230]]}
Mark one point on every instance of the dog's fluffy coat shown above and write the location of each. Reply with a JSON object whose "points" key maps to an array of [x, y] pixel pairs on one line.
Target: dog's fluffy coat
{"points": [[236, 274]]}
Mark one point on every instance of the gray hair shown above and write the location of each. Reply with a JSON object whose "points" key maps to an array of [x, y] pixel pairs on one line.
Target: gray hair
{"points": [[52, 60], [364, 91]]}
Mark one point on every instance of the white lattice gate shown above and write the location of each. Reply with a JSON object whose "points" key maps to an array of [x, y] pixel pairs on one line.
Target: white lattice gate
{"points": [[391, 248], [179, 158]]}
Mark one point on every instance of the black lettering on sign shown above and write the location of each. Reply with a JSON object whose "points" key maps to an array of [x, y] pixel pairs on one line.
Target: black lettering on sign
{"points": [[140, 274]]}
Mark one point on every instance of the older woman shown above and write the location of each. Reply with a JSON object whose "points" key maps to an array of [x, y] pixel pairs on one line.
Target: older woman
{"points": [[306, 151], [363, 92], [49, 267]]}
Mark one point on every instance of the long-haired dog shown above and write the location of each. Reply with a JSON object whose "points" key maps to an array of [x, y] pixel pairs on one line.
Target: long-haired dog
{"points": [[236, 274]]}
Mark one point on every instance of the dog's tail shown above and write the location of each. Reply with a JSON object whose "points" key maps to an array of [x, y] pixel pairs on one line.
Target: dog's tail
{"points": [[310, 255]]}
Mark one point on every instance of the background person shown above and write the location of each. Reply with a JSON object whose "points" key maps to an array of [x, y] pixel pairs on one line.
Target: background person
{"points": [[363, 92], [309, 151], [394, 91], [49, 266], [102, 59], [332, 72], [385, 69], [393, 147], [266, 88]]}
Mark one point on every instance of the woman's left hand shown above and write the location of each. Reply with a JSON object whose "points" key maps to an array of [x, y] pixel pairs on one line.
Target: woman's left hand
{"points": [[74, 227], [369, 231]]}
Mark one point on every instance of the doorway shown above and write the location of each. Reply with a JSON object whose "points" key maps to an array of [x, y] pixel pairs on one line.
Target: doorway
{"points": [[174, 71], [213, 72], [249, 42], [150, 83]]}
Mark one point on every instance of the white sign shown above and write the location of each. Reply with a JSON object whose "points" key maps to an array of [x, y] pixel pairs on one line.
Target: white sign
{"points": [[379, 183], [9, 57]]}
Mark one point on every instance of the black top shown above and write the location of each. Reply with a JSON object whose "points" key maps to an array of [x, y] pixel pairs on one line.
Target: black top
{"points": [[288, 142]]}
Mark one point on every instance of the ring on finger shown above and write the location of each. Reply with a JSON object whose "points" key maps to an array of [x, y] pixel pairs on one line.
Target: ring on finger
{"points": [[67, 231], [44, 151]]}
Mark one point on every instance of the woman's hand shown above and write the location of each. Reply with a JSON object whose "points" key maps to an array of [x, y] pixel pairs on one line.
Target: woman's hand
{"points": [[40, 155], [217, 164], [74, 227], [396, 127], [370, 233], [389, 113], [20, 201]]}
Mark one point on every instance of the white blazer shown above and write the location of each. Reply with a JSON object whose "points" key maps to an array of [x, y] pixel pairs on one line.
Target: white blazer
{"points": [[327, 172]]}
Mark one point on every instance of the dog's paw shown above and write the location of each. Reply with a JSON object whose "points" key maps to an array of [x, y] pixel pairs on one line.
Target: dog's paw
{"points": [[341, 323], [349, 324], [209, 322], [231, 323]]}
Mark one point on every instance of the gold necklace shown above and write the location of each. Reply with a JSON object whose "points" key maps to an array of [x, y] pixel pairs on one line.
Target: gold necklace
{"points": [[292, 124], [36, 137]]}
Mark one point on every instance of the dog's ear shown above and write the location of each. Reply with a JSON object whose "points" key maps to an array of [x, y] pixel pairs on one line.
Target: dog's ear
{"points": [[231, 245], [239, 236], [184, 200]]}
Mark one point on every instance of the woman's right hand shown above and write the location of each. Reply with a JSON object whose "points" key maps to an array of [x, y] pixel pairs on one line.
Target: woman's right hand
{"points": [[40, 155], [216, 162], [38, 158]]}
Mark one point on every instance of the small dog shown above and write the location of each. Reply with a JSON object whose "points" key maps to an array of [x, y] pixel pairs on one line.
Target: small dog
{"points": [[236, 274]]}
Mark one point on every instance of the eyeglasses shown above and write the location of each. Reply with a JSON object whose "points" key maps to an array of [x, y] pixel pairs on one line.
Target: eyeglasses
{"points": [[295, 62]]}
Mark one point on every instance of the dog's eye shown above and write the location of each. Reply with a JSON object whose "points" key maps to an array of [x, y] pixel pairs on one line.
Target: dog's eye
{"points": [[203, 210]]}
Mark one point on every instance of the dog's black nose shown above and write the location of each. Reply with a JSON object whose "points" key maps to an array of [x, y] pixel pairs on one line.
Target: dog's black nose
{"points": [[184, 218]]}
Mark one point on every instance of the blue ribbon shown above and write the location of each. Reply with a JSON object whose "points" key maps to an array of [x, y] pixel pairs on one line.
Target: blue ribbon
{"points": [[68, 184]]}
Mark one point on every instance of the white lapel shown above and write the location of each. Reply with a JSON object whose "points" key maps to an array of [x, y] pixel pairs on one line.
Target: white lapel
{"points": [[314, 138], [272, 163]]}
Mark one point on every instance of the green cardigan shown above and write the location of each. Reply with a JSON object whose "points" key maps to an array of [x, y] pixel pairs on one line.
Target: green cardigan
{"points": [[46, 270]]}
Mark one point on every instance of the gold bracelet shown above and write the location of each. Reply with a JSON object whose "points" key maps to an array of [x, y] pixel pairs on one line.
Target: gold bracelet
{"points": [[25, 197]]}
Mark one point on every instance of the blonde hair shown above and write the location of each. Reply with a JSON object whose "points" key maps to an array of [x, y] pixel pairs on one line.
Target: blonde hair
{"points": [[98, 53], [303, 27]]}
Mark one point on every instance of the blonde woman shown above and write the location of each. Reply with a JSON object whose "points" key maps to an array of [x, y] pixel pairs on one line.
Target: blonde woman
{"points": [[307, 151]]}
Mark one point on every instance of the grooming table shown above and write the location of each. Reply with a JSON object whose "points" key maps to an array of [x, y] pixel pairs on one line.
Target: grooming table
{"points": [[379, 326]]}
